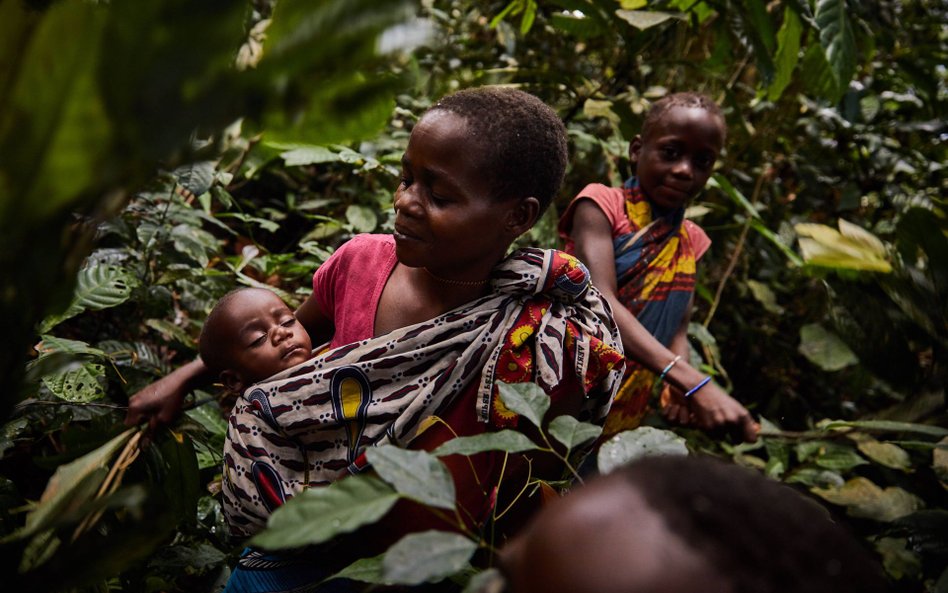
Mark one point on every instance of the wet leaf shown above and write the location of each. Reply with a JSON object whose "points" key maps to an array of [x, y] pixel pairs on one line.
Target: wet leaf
{"points": [[510, 441], [317, 515], [571, 432], [644, 441], [418, 475], [427, 557], [525, 399]]}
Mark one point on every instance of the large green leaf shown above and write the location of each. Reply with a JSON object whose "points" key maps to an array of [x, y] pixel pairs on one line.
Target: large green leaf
{"points": [[885, 454], [97, 287], [427, 557], [510, 441], [525, 399], [317, 515], [418, 475], [366, 570], [78, 382], [788, 53], [837, 40], [644, 441], [72, 485]]}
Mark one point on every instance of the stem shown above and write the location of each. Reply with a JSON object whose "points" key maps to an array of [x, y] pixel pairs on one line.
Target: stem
{"points": [[738, 249]]}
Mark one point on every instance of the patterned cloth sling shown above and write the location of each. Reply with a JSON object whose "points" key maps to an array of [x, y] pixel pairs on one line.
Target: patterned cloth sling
{"points": [[309, 425], [655, 274]]}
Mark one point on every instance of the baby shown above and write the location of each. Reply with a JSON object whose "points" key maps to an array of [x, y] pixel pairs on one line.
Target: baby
{"points": [[250, 335]]}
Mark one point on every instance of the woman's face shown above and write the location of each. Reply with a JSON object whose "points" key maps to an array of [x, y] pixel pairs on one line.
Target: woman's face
{"points": [[604, 538], [446, 218]]}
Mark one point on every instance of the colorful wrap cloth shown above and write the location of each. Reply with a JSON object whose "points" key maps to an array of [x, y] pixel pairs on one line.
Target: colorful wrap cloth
{"points": [[309, 425], [655, 275]]}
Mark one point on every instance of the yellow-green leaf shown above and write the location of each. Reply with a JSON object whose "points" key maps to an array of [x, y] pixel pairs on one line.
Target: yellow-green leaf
{"points": [[863, 498]]}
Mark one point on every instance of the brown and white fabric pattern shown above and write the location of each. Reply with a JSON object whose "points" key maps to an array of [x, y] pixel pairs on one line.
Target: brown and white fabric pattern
{"points": [[309, 425]]}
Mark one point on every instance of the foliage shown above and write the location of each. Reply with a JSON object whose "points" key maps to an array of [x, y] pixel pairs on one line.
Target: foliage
{"points": [[836, 120]]}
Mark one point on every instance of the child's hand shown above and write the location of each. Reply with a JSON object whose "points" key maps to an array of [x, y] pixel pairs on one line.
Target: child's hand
{"points": [[713, 409], [159, 404]]}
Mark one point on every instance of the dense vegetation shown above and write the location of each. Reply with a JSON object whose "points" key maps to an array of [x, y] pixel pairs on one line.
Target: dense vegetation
{"points": [[276, 133]]}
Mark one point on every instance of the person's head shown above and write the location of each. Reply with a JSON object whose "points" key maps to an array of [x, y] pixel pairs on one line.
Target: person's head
{"points": [[251, 334], [481, 166], [683, 524], [674, 154]]}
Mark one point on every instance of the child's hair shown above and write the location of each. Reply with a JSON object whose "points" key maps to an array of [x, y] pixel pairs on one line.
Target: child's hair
{"points": [[685, 99], [524, 139], [762, 535], [209, 342]]}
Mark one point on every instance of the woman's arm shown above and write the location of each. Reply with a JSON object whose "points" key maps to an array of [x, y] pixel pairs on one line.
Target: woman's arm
{"points": [[319, 325], [712, 407]]}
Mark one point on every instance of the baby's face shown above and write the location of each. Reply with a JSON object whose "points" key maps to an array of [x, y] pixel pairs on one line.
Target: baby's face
{"points": [[264, 336], [604, 538]]}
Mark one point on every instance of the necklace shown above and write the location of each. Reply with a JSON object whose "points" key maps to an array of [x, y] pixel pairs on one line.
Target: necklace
{"points": [[457, 282]]}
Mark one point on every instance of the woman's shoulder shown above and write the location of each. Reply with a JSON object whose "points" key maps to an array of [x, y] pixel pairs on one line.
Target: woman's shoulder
{"points": [[366, 246]]}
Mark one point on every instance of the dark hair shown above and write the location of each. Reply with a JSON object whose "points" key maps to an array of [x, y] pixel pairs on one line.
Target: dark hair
{"points": [[763, 535], [213, 352], [686, 99], [523, 139]]}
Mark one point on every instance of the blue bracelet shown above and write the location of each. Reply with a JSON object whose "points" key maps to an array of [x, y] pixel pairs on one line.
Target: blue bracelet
{"points": [[669, 367], [694, 389]]}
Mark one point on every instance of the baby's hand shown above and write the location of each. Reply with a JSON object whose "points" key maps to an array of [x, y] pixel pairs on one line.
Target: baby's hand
{"points": [[159, 404]]}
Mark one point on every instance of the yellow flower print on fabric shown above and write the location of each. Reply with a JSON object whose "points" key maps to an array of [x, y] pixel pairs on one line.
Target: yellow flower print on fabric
{"points": [[520, 335]]}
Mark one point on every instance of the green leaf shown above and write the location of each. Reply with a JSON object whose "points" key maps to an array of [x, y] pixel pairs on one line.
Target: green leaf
{"points": [[765, 296], [427, 557], [899, 562], [645, 19], [194, 242], [480, 582], [49, 344], [362, 218], [940, 462], [317, 515], [525, 399], [197, 177], [837, 40], [887, 426], [862, 498], [809, 476], [97, 287], [571, 432], [839, 459], [824, 348], [886, 454], [644, 441], [306, 154], [788, 53], [170, 331], [510, 441], [418, 475], [78, 382], [365, 570], [72, 485]]}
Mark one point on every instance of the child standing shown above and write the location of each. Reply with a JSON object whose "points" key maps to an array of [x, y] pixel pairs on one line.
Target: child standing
{"points": [[641, 253]]}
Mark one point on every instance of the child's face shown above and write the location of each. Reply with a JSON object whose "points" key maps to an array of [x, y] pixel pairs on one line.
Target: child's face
{"points": [[262, 336], [675, 159], [446, 218], [604, 538]]}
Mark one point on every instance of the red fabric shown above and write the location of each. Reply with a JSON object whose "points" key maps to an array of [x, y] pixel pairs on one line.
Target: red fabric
{"points": [[611, 201], [348, 287], [349, 284]]}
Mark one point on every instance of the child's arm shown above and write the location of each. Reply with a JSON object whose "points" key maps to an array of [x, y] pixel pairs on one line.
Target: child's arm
{"points": [[713, 408], [160, 402]]}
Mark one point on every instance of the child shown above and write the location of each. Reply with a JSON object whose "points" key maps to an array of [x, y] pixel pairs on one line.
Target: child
{"points": [[424, 323], [681, 524], [250, 335], [641, 253]]}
